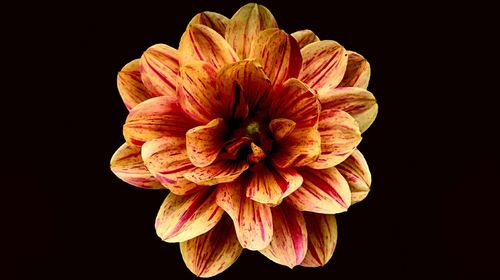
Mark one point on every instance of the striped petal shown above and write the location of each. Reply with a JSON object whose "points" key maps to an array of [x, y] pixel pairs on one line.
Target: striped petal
{"points": [[213, 20], [340, 135], [213, 252], [297, 102], [155, 118], [305, 37], [221, 171], [357, 174], [269, 184], [130, 86], [252, 220], [289, 244], [183, 217], [279, 55], [166, 158], [159, 70], [281, 128], [322, 239], [358, 102], [257, 154], [324, 64], [204, 142], [300, 147], [323, 191], [245, 25], [201, 42], [127, 165], [357, 73]]}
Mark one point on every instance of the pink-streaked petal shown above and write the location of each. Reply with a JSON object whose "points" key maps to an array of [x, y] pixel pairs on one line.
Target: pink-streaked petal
{"points": [[252, 220], [233, 146], [289, 244], [257, 154], [322, 239], [130, 86], [281, 128], [305, 37], [159, 70], [183, 217], [357, 73], [221, 171], [299, 148], [323, 191], [204, 142], [127, 165], [357, 174], [213, 20]]}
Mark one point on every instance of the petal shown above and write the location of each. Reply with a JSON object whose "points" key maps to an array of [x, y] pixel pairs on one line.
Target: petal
{"points": [[289, 244], [279, 55], [301, 147], [358, 102], [305, 37], [269, 185], [233, 146], [252, 220], [159, 70], [130, 86], [222, 171], [155, 118], [246, 24], [127, 165], [213, 20], [357, 73], [340, 135], [182, 217], [281, 128], [257, 154], [323, 65], [166, 158], [323, 191], [205, 142], [322, 239], [355, 170], [200, 42], [213, 252], [297, 102]]}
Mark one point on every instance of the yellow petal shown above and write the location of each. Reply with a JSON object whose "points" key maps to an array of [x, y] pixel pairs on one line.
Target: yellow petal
{"points": [[213, 20], [127, 165], [221, 171], [300, 147], [305, 37], [357, 73], [244, 26], [130, 86], [257, 154], [159, 70], [355, 170], [322, 239], [205, 142], [281, 128]]}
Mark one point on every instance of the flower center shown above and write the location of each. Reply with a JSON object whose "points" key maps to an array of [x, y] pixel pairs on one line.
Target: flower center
{"points": [[253, 129]]}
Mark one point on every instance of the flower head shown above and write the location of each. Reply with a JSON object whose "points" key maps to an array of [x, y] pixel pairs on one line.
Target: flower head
{"points": [[254, 132]]}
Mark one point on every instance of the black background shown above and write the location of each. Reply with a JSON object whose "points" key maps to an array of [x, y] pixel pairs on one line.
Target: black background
{"points": [[432, 150]]}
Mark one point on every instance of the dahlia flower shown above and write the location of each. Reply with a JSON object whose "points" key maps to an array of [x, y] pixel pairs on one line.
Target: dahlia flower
{"points": [[254, 132]]}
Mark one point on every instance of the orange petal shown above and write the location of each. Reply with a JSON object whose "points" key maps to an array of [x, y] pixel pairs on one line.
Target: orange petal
{"points": [[300, 147], [213, 20], [269, 185], [130, 86], [205, 142], [305, 37], [340, 135], [233, 146], [297, 102], [244, 26], [155, 118], [289, 244], [166, 158], [281, 128], [159, 70], [213, 252], [358, 102], [200, 42], [357, 73], [355, 170], [322, 239], [127, 165], [252, 220], [182, 217], [324, 65], [222, 171], [279, 55], [257, 154], [323, 191]]}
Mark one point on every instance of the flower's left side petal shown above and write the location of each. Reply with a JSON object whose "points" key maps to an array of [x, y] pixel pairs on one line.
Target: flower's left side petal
{"points": [[182, 217], [213, 252], [322, 236], [127, 165], [204, 142], [357, 73], [289, 244], [130, 86], [213, 20], [355, 170], [221, 171], [159, 70], [299, 148], [305, 37], [155, 118], [200, 42]]}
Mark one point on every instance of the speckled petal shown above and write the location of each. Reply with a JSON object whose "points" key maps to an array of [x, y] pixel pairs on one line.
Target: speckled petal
{"points": [[305, 37], [130, 86], [322, 239], [355, 170], [159, 70]]}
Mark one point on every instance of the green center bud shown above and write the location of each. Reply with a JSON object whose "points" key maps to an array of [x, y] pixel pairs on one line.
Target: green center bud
{"points": [[253, 128]]}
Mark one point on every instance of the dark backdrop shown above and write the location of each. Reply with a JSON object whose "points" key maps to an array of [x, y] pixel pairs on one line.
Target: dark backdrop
{"points": [[432, 150]]}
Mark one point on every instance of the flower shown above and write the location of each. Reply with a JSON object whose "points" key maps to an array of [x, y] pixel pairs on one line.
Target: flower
{"points": [[254, 132]]}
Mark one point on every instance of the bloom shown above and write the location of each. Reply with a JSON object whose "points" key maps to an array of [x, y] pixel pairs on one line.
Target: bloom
{"points": [[254, 132]]}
